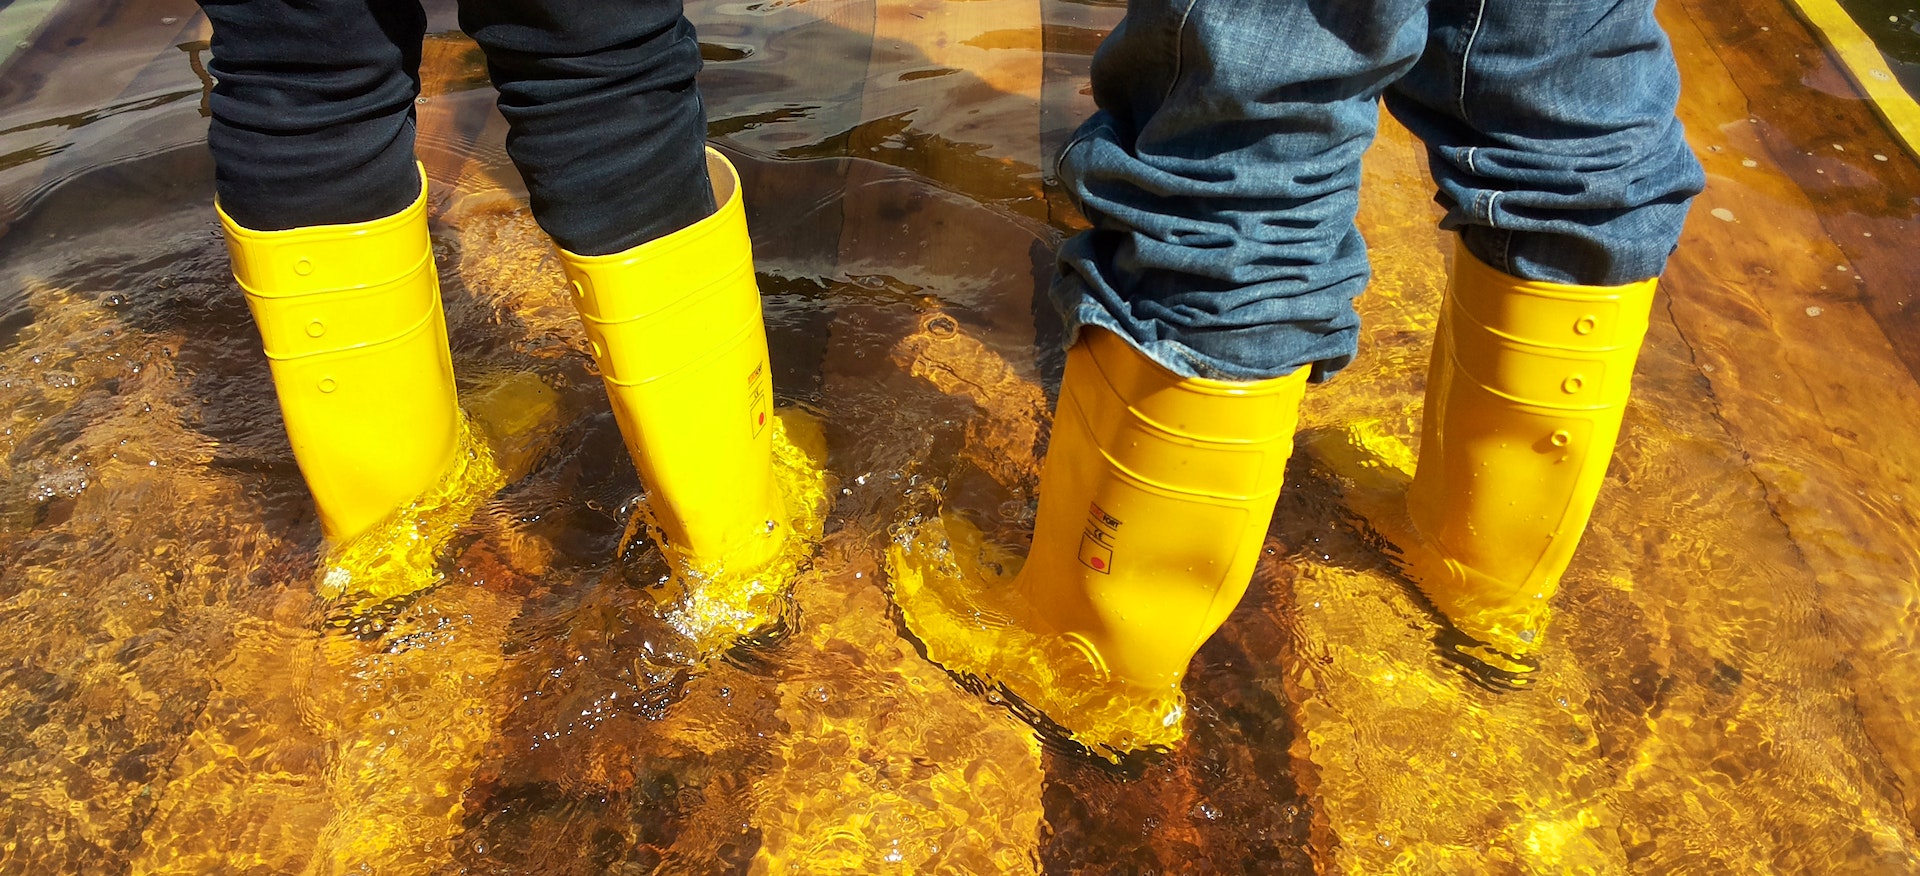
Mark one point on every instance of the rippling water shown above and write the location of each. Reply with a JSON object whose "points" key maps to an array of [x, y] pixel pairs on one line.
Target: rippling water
{"points": [[1730, 683]]}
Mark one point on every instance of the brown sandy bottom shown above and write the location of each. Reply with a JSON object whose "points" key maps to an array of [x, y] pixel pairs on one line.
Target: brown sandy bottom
{"points": [[1729, 684]]}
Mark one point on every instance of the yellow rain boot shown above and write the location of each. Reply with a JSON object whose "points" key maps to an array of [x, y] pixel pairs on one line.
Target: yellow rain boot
{"points": [[350, 318], [1154, 499], [1525, 395], [675, 326]]}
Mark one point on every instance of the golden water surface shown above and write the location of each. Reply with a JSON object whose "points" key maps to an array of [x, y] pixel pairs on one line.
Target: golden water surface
{"points": [[1731, 683]]}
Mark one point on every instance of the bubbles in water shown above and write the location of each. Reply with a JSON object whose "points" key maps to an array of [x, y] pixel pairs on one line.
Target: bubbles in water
{"points": [[60, 485]]}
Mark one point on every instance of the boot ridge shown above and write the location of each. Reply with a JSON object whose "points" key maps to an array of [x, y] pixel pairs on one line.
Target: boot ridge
{"points": [[351, 322]]}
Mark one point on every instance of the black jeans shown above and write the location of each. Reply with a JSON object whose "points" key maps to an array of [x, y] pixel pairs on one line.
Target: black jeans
{"points": [[313, 112]]}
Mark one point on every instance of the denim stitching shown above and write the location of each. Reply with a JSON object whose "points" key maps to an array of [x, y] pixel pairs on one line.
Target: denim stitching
{"points": [[1479, 18], [1179, 40], [1060, 157]]}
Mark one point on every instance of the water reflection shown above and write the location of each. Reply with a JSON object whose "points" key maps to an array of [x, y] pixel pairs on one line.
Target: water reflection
{"points": [[1730, 682]]}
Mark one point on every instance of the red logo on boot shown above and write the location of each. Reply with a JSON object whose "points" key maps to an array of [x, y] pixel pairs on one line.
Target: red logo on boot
{"points": [[758, 400], [1097, 542]]}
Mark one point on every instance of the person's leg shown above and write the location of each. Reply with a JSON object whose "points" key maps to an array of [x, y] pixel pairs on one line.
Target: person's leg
{"points": [[607, 128], [1221, 179], [324, 211], [313, 110], [1551, 135], [605, 121], [1553, 139]]}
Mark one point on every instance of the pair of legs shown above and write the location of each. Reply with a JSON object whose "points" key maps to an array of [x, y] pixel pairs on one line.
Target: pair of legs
{"points": [[314, 103], [323, 205], [1220, 177], [1222, 171]]}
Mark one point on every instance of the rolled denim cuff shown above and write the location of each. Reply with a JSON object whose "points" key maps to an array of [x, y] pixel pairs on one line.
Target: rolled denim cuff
{"points": [[1255, 352]]}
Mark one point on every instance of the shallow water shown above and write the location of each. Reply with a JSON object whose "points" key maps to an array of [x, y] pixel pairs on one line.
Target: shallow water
{"points": [[1894, 27], [1729, 685]]}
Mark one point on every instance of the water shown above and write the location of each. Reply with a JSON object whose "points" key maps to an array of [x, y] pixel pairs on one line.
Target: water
{"points": [[1729, 683], [1894, 27]]}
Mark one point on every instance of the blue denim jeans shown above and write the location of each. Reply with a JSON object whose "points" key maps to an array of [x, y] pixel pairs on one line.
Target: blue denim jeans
{"points": [[313, 112], [1222, 169]]}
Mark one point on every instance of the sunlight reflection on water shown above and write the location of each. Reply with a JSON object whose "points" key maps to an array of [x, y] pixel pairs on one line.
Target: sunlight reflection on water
{"points": [[1729, 681]]}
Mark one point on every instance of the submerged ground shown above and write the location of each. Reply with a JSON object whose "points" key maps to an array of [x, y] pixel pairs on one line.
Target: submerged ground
{"points": [[1730, 685]]}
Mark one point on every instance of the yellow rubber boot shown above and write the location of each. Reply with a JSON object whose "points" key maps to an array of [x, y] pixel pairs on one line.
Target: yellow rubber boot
{"points": [[675, 326], [1155, 497], [1525, 395], [351, 321]]}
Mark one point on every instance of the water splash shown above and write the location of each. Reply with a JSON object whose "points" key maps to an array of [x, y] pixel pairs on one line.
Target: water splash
{"points": [[714, 607], [1376, 468], [957, 595], [398, 556]]}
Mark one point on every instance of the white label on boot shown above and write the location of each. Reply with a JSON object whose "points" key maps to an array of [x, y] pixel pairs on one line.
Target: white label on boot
{"points": [[1096, 543], [757, 396]]}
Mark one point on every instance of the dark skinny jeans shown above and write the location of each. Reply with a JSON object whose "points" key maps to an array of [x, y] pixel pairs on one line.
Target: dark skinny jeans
{"points": [[313, 112]]}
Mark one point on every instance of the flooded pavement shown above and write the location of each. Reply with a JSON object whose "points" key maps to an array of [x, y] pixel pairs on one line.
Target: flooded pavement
{"points": [[1729, 683]]}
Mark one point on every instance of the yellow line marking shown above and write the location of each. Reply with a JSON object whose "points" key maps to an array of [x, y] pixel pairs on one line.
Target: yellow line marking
{"points": [[1867, 67]]}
